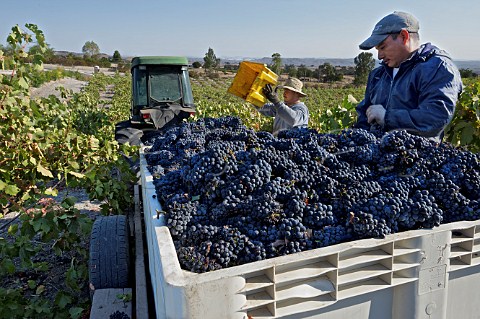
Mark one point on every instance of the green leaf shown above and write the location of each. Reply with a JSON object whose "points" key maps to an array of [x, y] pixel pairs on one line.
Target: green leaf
{"points": [[8, 265], [31, 284], [12, 230], [40, 289], [73, 164], [460, 125], [26, 196], [23, 83], [62, 300], [351, 99], [12, 190], [77, 175], [99, 190], [43, 266], [2, 185], [75, 312], [467, 134], [51, 191], [70, 201], [45, 172], [41, 224]]}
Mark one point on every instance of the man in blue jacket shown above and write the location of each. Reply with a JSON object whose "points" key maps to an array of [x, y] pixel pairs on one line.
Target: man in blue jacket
{"points": [[415, 87]]}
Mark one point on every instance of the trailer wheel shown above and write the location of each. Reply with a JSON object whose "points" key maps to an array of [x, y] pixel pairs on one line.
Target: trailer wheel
{"points": [[109, 263]]}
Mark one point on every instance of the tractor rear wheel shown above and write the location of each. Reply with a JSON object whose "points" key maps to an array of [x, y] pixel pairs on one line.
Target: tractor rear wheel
{"points": [[129, 134]]}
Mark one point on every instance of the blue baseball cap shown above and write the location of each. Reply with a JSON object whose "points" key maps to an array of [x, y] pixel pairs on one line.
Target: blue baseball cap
{"points": [[391, 24]]}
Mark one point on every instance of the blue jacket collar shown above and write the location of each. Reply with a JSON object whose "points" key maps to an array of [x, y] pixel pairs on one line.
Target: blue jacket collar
{"points": [[422, 54]]}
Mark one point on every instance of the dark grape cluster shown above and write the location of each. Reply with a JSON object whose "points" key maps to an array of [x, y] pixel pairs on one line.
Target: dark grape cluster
{"points": [[367, 225], [233, 196], [119, 315], [331, 235]]}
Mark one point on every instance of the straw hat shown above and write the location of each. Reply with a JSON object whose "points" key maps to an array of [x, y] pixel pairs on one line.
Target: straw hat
{"points": [[293, 84]]}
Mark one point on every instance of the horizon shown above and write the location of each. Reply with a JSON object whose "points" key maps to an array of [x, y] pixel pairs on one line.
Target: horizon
{"points": [[239, 58]]}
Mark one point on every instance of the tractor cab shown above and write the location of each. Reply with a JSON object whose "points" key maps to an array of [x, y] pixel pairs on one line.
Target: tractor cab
{"points": [[161, 96], [161, 91]]}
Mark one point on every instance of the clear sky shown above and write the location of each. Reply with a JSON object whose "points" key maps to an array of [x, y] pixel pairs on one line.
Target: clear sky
{"points": [[244, 28]]}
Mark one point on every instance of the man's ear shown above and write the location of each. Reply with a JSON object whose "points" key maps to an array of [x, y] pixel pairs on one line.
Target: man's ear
{"points": [[405, 36]]}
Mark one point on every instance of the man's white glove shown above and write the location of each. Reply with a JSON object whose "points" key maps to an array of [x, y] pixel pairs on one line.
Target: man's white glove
{"points": [[376, 113]]}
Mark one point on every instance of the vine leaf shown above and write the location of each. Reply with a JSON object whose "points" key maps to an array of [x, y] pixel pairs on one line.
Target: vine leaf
{"points": [[23, 83], [78, 175], [467, 134], [42, 225], [45, 172], [11, 190]]}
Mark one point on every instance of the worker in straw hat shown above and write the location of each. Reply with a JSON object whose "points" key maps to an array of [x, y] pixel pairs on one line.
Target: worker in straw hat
{"points": [[291, 113]]}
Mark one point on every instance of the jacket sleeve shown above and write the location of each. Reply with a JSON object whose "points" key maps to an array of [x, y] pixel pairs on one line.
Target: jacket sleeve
{"points": [[438, 86], [268, 109], [293, 116]]}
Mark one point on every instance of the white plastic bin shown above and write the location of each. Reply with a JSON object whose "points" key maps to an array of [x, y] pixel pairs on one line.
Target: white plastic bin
{"points": [[431, 273]]}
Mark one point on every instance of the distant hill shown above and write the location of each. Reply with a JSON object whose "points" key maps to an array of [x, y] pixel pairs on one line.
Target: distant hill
{"points": [[308, 62], [473, 65]]}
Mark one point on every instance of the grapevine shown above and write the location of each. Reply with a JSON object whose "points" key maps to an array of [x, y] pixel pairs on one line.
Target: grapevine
{"points": [[48, 143]]}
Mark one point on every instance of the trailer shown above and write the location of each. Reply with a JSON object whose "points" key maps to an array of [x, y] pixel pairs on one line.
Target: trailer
{"points": [[427, 273]]}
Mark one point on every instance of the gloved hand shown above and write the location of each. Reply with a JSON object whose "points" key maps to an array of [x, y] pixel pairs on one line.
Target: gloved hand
{"points": [[271, 94], [376, 113]]}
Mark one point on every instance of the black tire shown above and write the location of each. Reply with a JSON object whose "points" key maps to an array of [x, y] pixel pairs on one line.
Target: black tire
{"points": [[122, 124], [129, 134], [109, 263]]}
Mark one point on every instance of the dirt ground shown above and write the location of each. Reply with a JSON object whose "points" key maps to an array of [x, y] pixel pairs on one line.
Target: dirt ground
{"points": [[50, 88]]}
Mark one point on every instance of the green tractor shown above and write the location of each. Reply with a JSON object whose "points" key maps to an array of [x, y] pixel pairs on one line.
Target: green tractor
{"points": [[161, 97]]}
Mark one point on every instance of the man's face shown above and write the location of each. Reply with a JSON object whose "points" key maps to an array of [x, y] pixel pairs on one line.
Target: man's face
{"points": [[290, 97], [393, 51]]}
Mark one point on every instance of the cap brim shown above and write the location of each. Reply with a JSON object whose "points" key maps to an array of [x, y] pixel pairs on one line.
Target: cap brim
{"points": [[373, 41], [291, 89]]}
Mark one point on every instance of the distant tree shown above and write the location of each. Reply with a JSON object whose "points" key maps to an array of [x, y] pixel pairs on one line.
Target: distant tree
{"points": [[8, 49], [303, 71], [291, 70], [116, 57], [317, 74], [196, 64], [90, 49], [329, 73], [276, 65], [467, 73], [104, 63], [231, 67], [47, 55], [364, 64], [210, 60]]}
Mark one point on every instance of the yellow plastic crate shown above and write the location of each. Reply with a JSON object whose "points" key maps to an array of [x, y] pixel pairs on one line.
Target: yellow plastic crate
{"points": [[250, 80]]}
